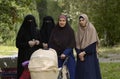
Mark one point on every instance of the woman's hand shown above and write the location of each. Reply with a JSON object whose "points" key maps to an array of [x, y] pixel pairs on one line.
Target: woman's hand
{"points": [[62, 56], [81, 56], [31, 43], [37, 42]]}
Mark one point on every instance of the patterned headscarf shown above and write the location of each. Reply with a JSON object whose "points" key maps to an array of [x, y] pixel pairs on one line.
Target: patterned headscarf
{"points": [[63, 16]]}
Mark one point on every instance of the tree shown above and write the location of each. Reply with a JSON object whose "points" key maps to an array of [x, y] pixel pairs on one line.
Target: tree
{"points": [[48, 8], [12, 13], [104, 14]]}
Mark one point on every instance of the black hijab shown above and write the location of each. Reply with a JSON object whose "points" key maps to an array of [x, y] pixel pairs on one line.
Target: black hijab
{"points": [[62, 38], [46, 28], [29, 27]]}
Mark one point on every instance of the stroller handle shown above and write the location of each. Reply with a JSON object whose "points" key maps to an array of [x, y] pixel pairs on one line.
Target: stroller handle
{"points": [[66, 59], [60, 75]]}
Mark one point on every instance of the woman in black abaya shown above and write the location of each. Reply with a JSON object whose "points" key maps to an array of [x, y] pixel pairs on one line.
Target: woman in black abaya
{"points": [[26, 41], [46, 29], [63, 41]]}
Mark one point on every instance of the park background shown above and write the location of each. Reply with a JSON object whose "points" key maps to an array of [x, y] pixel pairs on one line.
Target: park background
{"points": [[104, 14]]}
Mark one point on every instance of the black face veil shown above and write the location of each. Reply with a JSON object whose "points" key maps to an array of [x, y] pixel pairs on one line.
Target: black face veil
{"points": [[29, 26], [46, 28]]}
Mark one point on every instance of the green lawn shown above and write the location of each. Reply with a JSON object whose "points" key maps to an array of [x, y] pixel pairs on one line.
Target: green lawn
{"points": [[8, 50], [104, 51], [115, 49], [110, 70]]}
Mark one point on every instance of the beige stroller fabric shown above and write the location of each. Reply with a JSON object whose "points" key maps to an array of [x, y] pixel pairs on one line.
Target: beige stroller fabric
{"points": [[43, 64]]}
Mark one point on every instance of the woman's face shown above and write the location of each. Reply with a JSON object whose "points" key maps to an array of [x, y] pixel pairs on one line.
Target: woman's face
{"points": [[82, 22], [62, 22]]}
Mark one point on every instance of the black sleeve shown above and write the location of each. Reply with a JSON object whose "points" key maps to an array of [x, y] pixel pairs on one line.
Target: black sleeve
{"points": [[21, 42], [91, 48]]}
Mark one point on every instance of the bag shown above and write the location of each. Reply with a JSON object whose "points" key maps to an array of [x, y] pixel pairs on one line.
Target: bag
{"points": [[25, 74]]}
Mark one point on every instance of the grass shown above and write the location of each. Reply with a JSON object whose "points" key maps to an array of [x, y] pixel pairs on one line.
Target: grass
{"points": [[8, 50], [110, 70], [115, 49], [104, 51]]}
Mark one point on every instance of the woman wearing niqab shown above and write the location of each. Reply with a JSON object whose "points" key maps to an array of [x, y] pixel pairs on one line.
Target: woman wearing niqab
{"points": [[46, 29], [26, 41], [63, 41], [87, 66]]}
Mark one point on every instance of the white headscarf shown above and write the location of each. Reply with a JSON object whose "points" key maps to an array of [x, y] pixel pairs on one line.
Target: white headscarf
{"points": [[86, 35]]}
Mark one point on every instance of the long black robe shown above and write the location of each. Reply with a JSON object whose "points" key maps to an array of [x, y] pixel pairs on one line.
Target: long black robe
{"points": [[27, 32]]}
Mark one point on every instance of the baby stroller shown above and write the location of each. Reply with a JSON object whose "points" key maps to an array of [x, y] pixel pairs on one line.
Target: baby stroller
{"points": [[43, 64]]}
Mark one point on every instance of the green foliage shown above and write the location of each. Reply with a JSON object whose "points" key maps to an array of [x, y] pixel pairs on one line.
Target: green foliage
{"points": [[12, 13], [108, 21], [8, 50], [48, 8], [110, 70], [42, 9], [104, 14], [53, 9]]}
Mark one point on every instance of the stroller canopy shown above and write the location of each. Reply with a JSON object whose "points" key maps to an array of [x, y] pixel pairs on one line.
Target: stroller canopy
{"points": [[43, 63]]}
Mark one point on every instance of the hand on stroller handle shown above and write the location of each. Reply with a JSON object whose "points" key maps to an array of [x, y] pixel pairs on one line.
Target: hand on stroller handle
{"points": [[66, 59]]}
